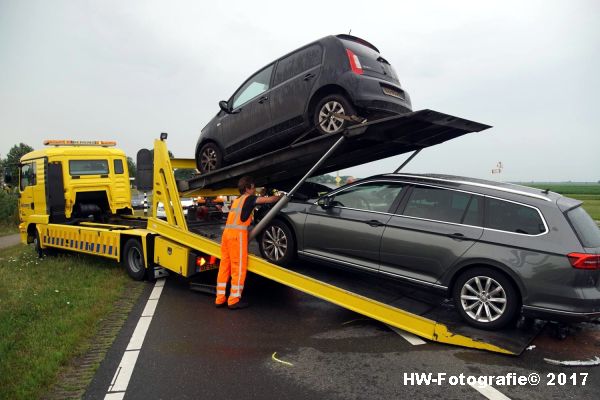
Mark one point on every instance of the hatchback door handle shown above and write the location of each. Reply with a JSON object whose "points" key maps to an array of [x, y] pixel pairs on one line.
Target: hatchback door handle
{"points": [[263, 99], [308, 76], [374, 223]]}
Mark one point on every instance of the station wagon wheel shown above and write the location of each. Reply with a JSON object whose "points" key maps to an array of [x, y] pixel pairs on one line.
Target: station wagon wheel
{"points": [[486, 298], [132, 258], [325, 120], [209, 158], [277, 243]]}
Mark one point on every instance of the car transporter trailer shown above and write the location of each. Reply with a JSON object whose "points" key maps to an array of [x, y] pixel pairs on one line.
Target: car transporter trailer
{"points": [[149, 247]]}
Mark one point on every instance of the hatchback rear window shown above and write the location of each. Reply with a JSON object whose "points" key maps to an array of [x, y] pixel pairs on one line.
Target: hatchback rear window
{"points": [[585, 227], [370, 60], [512, 217]]}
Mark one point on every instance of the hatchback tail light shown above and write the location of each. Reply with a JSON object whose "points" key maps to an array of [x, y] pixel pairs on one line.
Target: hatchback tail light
{"points": [[584, 260], [354, 62]]}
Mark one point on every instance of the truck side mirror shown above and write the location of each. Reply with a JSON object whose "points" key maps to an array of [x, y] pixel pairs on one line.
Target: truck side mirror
{"points": [[8, 178], [224, 107], [144, 173], [325, 202]]}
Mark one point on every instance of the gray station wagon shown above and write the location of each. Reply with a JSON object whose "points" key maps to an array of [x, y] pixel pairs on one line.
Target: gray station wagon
{"points": [[497, 249]]}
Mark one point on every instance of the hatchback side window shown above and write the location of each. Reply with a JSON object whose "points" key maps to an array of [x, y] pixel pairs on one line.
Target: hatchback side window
{"points": [[256, 85], [298, 62], [372, 196], [437, 204], [512, 217]]}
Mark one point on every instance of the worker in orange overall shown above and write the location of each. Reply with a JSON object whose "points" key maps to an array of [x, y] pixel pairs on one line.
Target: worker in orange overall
{"points": [[234, 244]]}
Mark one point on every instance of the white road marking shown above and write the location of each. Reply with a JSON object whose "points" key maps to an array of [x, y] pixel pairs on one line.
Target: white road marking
{"points": [[118, 386], [489, 392], [409, 337]]}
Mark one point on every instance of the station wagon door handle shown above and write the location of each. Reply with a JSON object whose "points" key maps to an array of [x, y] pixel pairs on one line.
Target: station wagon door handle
{"points": [[374, 223], [457, 235], [308, 77], [263, 99]]}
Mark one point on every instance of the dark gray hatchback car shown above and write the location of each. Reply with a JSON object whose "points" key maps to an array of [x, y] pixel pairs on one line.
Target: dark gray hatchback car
{"points": [[311, 86], [497, 249]]}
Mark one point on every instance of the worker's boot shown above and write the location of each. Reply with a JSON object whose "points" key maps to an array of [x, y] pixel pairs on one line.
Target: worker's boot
{"points": [[239, 305]]}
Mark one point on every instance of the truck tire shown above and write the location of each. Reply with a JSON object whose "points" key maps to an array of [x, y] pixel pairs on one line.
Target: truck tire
{"points": [[486, 298], [132, 258], [37, 246]]}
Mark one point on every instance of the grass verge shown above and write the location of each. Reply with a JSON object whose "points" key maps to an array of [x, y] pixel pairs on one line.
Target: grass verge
{"points": [[6, 229], [51, 310]]}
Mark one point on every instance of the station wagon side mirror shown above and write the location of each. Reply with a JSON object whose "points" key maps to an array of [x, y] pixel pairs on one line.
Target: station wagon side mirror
{"points": [[325, 202], [224, 107]]}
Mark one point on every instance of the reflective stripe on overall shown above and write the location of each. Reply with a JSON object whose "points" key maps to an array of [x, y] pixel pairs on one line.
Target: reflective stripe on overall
{"points": [[234, 254]]}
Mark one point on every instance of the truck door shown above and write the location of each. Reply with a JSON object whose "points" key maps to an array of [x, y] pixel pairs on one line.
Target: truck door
{"points": [[27, 180]]}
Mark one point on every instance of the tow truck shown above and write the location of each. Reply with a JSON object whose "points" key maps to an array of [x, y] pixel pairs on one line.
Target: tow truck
{"points": [[71, 198]]}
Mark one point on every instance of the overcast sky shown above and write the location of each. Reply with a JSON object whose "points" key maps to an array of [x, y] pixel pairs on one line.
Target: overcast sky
{"points": [[128, 70]]}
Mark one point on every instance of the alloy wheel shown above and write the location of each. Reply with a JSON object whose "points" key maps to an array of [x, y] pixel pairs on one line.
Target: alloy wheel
{"points": [[483, 299], [275, 243], [327, 121], [208, 159]]}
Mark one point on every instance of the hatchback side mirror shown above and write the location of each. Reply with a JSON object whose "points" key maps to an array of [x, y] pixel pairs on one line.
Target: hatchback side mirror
{"points": [[224, 107], [325, 202]]}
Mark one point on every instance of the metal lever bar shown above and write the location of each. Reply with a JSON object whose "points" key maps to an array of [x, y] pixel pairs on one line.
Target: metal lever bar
{"points": [[286, 199]]}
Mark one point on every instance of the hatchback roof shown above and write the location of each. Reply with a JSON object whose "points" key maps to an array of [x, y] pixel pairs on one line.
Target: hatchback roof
{"points": [[357, 40]]}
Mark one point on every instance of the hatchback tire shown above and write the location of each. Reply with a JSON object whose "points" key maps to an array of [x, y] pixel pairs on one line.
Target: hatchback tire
{"points": [[325, 122], [277, 243], [485, 298], [209, 158]]}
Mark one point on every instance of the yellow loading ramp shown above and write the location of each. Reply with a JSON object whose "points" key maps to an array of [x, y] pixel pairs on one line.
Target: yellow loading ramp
{"points": [[175, 228]]}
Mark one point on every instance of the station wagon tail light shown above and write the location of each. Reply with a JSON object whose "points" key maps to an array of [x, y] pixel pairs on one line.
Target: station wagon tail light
{"points": [[584, 260], [354, 62], [103, 143]]}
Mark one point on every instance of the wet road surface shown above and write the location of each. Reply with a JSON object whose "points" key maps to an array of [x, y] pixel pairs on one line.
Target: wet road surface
{"points": [[289, 345]]}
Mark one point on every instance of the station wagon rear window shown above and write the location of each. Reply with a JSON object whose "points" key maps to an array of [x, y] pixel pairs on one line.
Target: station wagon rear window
{"points": [[587, 230], [511, 217], [88, 167]]}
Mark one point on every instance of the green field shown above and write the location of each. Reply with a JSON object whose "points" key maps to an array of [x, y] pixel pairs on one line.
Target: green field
{"points": [[589, 193], [50, 311]]}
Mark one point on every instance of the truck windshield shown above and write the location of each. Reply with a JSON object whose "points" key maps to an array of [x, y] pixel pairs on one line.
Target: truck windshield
{"points": [[88, 167]]}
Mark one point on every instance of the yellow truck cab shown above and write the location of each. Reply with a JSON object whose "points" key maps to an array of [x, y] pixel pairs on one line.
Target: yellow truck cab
{"points": [[72, 180]]}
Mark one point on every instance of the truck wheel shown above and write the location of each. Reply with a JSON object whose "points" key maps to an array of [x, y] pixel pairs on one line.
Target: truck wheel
{"points": [[485, 298], [325, 122], [37, 246], [277, 243], [209, 158], [132, 259]]}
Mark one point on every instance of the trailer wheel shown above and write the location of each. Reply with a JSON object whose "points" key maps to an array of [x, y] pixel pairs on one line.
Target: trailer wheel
{"points": [[132, 259], [209, 158], [485, 298], [325, 122], [277, 243]]}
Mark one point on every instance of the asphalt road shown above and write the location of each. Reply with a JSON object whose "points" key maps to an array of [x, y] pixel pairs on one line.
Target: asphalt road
{"points": [[289, 345], [9, 240]]}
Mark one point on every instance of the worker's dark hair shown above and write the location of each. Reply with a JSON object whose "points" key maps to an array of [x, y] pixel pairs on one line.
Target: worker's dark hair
{"points": [[244, 183]]}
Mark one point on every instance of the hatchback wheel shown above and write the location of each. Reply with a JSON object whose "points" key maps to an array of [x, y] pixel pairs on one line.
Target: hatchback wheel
{"points": [[209, 158], [327, 114], [277, 243], [485, 298]]}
